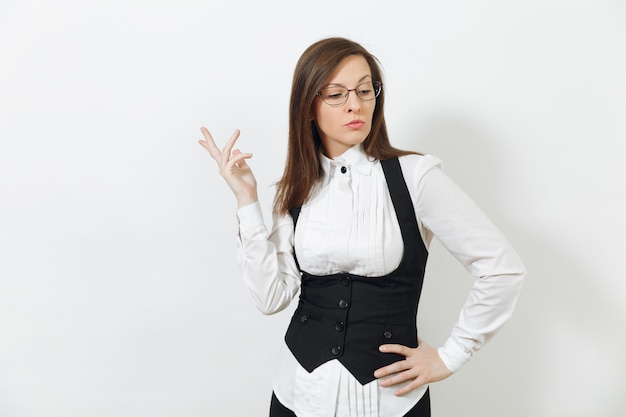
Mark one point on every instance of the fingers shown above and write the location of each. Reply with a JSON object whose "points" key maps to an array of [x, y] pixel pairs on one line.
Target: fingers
{"points": [[399, 349], [399, 372], [240, 158], [238, 161], [223, 157], [231, 142], [399, 377], [209, 144], [229, 146], [422, 365], [417, 382], [394, 368], [402, 370]]}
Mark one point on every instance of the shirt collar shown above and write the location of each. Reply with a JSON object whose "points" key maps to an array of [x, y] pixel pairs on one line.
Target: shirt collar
{"points": [[354, 159]]}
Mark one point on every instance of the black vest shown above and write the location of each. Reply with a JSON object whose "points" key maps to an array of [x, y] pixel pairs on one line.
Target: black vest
{"points": [[347, 317]]}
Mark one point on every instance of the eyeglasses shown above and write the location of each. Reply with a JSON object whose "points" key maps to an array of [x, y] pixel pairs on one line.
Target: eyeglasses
{"points": [[336, 95]]}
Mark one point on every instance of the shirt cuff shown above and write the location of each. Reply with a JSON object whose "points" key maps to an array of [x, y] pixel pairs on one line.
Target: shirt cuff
{"points": [[453, 355], [250, 219]]}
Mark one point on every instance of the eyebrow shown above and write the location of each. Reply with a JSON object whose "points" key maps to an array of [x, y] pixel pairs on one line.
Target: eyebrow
{"points": [[341, 85]]}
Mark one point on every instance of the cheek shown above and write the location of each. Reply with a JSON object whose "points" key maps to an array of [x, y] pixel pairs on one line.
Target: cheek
{"points": [[373, 107], [371, 113], [323, 117]]}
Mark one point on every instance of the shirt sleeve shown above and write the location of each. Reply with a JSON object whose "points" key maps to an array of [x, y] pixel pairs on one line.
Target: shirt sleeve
{"points": [[266, 261], [466, 232]]}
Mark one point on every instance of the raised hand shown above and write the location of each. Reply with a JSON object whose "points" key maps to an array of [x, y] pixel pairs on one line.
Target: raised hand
{"points": [[422, 365], [233, 167]]}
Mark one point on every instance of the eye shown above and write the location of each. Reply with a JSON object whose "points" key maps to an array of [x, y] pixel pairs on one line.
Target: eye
{"points": [[334, 93], [365, 89]]}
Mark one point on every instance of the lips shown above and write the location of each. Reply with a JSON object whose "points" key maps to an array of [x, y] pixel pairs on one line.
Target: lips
{"points": [[355, 124]]}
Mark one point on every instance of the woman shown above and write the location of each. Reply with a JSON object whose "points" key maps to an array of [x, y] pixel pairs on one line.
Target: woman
{"points": [[353, 218]]}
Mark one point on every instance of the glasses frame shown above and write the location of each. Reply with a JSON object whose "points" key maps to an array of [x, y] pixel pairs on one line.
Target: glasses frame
{"points": [[378, 87]]}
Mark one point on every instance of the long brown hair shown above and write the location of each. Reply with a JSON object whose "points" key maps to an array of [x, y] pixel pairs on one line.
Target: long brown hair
{"points": [[303, 167]]}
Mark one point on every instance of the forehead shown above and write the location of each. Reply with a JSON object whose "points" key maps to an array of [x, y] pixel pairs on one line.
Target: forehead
{"points": [[350, 70]]}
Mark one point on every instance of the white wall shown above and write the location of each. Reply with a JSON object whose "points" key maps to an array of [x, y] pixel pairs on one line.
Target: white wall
{"points": [[119, 294]]}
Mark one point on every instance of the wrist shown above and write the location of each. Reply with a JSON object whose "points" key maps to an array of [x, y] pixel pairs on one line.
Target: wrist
{"points": [[247, 199]]}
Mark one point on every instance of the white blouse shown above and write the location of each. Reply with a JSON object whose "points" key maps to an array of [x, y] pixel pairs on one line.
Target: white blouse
{"points": [[349, 225]]}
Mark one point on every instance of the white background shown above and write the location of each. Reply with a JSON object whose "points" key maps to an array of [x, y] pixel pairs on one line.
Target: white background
{"points": [[119, 292]]}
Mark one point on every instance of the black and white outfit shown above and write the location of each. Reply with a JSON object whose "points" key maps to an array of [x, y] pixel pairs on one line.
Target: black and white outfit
{"points": [[355, 244]]}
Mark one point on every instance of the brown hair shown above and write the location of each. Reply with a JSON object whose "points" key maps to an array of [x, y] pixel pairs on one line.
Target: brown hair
{"points": [[303, 167]]}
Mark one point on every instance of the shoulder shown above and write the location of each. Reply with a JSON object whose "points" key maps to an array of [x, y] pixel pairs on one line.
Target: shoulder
{"points": [[414, 167]]}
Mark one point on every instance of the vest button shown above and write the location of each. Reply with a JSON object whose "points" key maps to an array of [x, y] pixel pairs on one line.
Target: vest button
{"points": [[387, 334], [339, 326], [345, 281], [304, 318], [335, 350], [342, 303]]}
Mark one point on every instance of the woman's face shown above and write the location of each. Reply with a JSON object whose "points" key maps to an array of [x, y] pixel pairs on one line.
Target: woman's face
{"points": [[346, 125]]}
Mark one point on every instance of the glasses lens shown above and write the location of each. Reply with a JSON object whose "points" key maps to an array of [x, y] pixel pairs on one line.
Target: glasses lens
{"points": [[334, 95], [368, 90]]}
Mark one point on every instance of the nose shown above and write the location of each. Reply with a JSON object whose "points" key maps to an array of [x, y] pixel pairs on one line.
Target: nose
{"points": [[353, 104]]}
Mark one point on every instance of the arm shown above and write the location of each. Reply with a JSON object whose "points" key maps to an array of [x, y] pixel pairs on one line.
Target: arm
{"points": [[463, 229], [466, 232], [266, 262]]}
